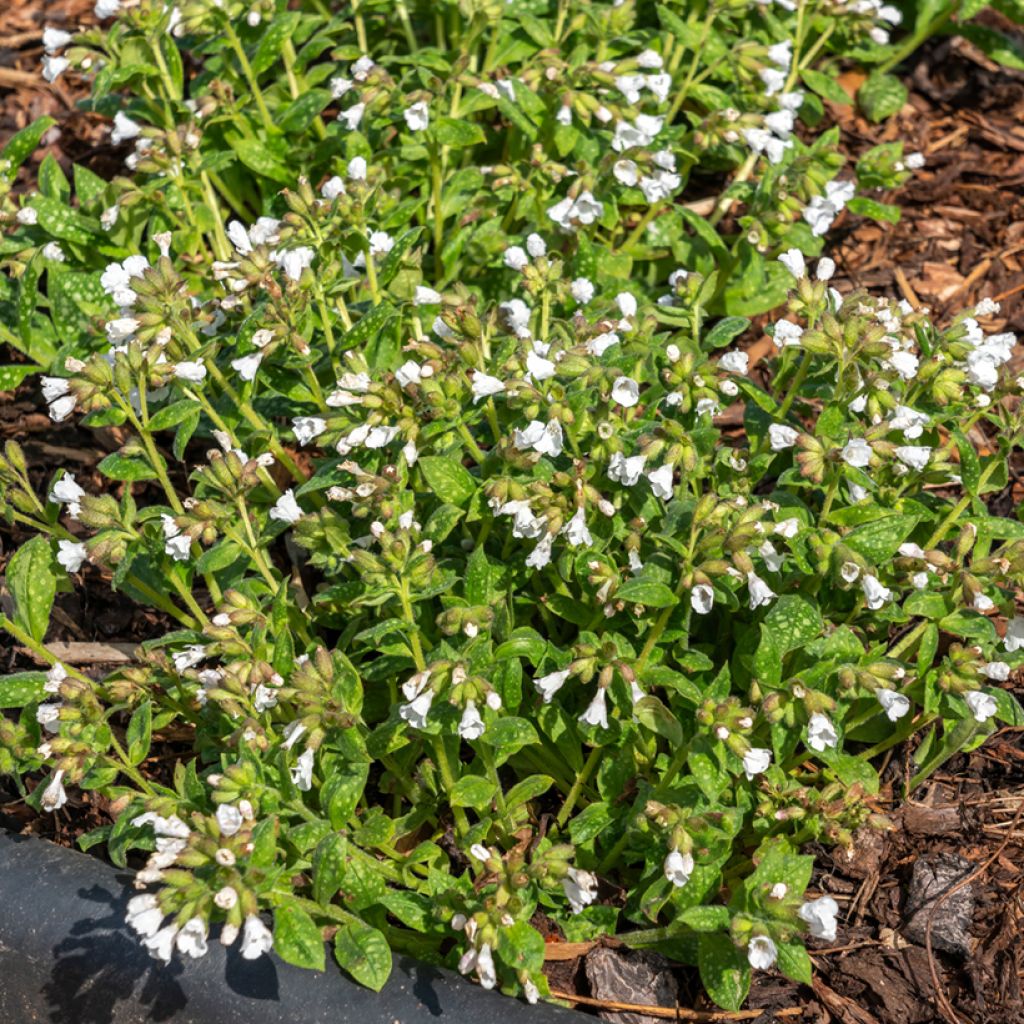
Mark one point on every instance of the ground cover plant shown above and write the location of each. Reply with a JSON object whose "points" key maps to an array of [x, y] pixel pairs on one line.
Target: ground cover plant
{"points": [[489, 618]]}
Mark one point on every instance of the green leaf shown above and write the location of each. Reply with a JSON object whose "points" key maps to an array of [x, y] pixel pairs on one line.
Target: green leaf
{"points": [[723, 970], [478, 578], [878, 541], [329, 867], [996, 45], [472, 791], [792, 622], [173, 415], [21, 688], [139, 732], [363, 952], [826, 87], [21, 145], [450, 131], [122, 467], [970, 464], [725, 330], [794, 962], [33, 586], [706, 918], [448, 478], [297, 939], [865, 207], [651, 713], [341, 791], [279, 30], [648, 592], [881, 95], [12, 376], [521, 947]]}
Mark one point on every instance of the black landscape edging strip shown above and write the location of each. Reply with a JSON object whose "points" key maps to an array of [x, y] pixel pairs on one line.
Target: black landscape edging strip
{"points": [[67, 957]]}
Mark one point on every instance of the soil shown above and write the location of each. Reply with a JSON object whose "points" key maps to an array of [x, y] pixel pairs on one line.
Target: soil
{"points": [[902, 956]]}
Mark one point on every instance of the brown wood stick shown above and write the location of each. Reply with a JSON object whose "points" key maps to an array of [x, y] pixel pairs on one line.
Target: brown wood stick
{"points": [[678, 1012]]}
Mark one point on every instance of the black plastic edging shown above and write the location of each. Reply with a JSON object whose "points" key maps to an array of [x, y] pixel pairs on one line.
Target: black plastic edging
{"points": [[67, 957]]}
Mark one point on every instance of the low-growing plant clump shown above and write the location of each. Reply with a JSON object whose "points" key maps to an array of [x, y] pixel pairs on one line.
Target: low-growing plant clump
{"points": [[505, 588]]}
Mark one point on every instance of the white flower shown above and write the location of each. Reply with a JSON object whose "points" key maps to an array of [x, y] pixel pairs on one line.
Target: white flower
{"points": [[661, 481], [192, 372], [913, 455], [997, 670], [756, 761], [626, 392], [229, 819], [820, 915], [600, 343], [547, 440], [625, 172], [286, 508], [416, 711], [761, 953], [191, 939], [124, 128], [417, 117], [539, 367], [144, 915], [857, 453], [626, 470], [982, 706], [597, 710], [582, 290], [782, 437], [71, 555], [54, 796], [55, 39], [875, 594], [678, 867], [540, 556], [787, 333], [294, 261], [257, 938], [66, 491], [246, 366], [702, 599], [471, 726], [485, 972], [585, 209], [53, 252], [189, 657], [821, 733], [576, 531], [484, 385], [825, 269], [793, 261], [580, 889], [547, 686], [759, 591], [54, 67], [734, 362], [306, 428], [161, 944], [106, 8], [894, 704], [1014, 639], [426, 296], [302, 773], [54, 677], [515, 257], [627, 303], [353, 116]]}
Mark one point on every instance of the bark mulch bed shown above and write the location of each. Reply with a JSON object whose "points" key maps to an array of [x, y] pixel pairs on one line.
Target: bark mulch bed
{"points": [[902, 956]]}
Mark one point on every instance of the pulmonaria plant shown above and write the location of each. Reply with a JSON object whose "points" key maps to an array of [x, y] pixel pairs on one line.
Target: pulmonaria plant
{"points": [[502, 582]]}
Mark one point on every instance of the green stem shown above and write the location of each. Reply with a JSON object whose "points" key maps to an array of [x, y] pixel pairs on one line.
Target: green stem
{"points": [[581, 780], [448, 778], [250, 76]]}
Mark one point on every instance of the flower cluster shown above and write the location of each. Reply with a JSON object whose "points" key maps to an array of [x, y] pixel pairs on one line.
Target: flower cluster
{"points": [[498, 574]]}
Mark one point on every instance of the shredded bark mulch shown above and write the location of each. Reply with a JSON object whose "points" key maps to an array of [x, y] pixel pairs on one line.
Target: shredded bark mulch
{"points": [[931, 923]]}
